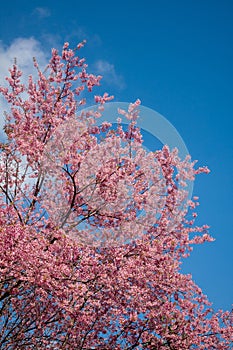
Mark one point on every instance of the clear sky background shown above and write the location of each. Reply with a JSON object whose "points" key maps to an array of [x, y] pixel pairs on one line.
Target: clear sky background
{"points": [[176, 56]]}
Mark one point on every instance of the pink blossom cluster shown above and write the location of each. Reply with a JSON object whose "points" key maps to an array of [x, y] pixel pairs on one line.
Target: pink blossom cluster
{"points": [[93, 227]]}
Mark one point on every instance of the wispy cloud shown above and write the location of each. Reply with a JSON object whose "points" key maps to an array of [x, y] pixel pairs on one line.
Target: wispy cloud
{"points": [[110, 76], [42, 12], [22, 50]]}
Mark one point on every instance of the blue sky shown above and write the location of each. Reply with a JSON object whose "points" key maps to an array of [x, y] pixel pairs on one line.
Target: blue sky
{"points": [[176, 56]]}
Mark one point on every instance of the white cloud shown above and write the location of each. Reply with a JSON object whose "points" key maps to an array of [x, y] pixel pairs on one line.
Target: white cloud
{"points": [[42, 12], [23, 50], [110, 76]]}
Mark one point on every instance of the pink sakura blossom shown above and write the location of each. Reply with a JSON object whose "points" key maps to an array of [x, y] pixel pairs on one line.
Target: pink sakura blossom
{"points": [[80, 45], [202, 170], [103, 99], [93, 227]]}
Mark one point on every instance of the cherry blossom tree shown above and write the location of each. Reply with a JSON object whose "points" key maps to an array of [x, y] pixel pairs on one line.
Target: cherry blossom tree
{"points": [[93, 227]]}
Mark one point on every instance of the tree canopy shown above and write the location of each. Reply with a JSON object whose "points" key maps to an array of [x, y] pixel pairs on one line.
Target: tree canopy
{"points": [[93, 226]]}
